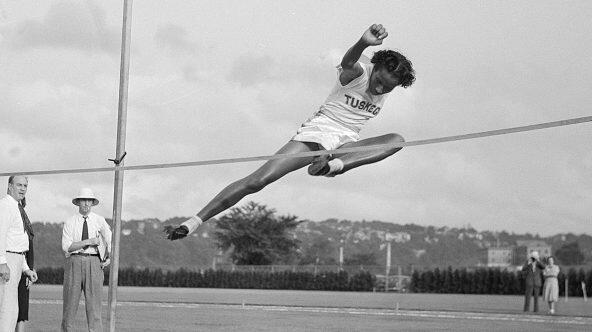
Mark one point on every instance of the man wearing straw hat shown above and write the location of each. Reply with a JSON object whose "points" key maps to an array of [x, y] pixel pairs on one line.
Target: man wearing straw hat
{"points": [[86, 242]]}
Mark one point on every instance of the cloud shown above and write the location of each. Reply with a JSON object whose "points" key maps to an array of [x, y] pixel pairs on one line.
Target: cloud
{"points": [[191, 73], [249, 70], [174, 38], [202, 90], [252, 70], [68, 24], [55, 111]]}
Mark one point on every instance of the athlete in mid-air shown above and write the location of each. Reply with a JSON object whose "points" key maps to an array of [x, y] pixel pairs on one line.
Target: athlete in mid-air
{"points": [[358, 96]]}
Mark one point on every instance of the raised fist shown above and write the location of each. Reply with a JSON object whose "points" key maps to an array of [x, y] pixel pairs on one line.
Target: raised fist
{"points": [[374, 35]]}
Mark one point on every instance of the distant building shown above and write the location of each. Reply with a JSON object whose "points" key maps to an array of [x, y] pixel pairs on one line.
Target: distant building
{"points": [[525, 247], [398, 237], [497, 256], [513, 255]]}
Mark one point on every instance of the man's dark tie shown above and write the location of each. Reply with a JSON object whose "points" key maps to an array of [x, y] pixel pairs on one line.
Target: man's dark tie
{"points": [[29, 230], [85, 229], [26, 222]]}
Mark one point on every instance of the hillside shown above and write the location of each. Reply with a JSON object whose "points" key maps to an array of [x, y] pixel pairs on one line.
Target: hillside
{"points": [[143, 244]]}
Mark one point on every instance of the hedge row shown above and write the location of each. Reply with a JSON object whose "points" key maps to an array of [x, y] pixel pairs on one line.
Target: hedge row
{"points": [[491, 281], [334, 281], [460, 281]]}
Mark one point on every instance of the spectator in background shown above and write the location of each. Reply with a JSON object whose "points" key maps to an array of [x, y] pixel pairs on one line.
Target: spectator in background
{"points": [[83, 236], [533, 272], [25, 283], [14, 243], [551, 286]]}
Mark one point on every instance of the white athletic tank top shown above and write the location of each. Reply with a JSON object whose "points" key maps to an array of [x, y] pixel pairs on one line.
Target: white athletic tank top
{"points": [[350, 105]]}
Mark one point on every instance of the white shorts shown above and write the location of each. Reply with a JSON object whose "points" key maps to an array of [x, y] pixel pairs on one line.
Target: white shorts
{"points": [[326, 132]]}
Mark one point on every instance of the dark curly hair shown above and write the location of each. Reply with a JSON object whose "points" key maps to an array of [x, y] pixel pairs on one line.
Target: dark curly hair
{"points": [[397, 63], [554, 259]]}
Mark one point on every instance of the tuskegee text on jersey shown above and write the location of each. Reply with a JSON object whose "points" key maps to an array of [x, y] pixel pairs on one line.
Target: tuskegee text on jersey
{"points": [[361, 104]]}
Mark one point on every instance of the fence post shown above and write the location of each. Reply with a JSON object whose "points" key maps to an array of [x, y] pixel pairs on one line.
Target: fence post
{"points": [[566, 288], [399, 278], [341, 255], [388, 266]]}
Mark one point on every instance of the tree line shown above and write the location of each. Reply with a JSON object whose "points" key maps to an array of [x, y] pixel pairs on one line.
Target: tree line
{"points": [[451, 281], [253, 235], [327, 281], [491, 281]]}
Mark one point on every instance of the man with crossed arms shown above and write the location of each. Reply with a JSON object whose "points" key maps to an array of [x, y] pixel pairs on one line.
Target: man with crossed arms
{"points": [[83, 238]]}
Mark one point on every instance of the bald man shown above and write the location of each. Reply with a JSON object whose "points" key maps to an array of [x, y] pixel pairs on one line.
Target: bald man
{"points": [[14, 244]]}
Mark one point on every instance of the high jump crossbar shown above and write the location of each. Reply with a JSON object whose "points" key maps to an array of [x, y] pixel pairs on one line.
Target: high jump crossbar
{"points": [[462, 137]]}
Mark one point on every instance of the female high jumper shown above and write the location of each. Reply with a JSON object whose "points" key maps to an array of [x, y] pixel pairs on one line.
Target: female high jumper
{"points": [[357, 97]]}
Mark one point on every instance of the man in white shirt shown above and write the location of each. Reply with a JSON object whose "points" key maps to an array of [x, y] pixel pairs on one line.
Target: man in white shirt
{"points": [[14, 243], [84, 238]]}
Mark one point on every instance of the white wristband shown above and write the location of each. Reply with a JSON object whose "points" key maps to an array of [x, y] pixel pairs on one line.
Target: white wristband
{"points": [[192, 223]]}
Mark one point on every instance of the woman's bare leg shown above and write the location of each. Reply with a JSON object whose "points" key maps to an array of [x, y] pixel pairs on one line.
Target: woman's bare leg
{"points": [[352, 160], [270, 172]]}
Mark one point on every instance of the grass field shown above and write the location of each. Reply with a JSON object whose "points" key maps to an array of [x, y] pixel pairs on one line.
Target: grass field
{"points": [[180, 309]]}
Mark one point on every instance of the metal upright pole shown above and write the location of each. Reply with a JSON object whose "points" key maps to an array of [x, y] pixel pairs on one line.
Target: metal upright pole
{"points": [[120, 153]]}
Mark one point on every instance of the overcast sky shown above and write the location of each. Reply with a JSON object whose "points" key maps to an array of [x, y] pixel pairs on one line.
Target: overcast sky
{"points": [[226, 79]]}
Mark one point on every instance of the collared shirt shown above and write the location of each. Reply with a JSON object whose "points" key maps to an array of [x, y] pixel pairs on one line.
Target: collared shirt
{"points": [[72, 232], [12, 233]]}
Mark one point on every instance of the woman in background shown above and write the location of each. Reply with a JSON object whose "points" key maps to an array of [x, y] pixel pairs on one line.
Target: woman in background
{"points": [[551, 286]]}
